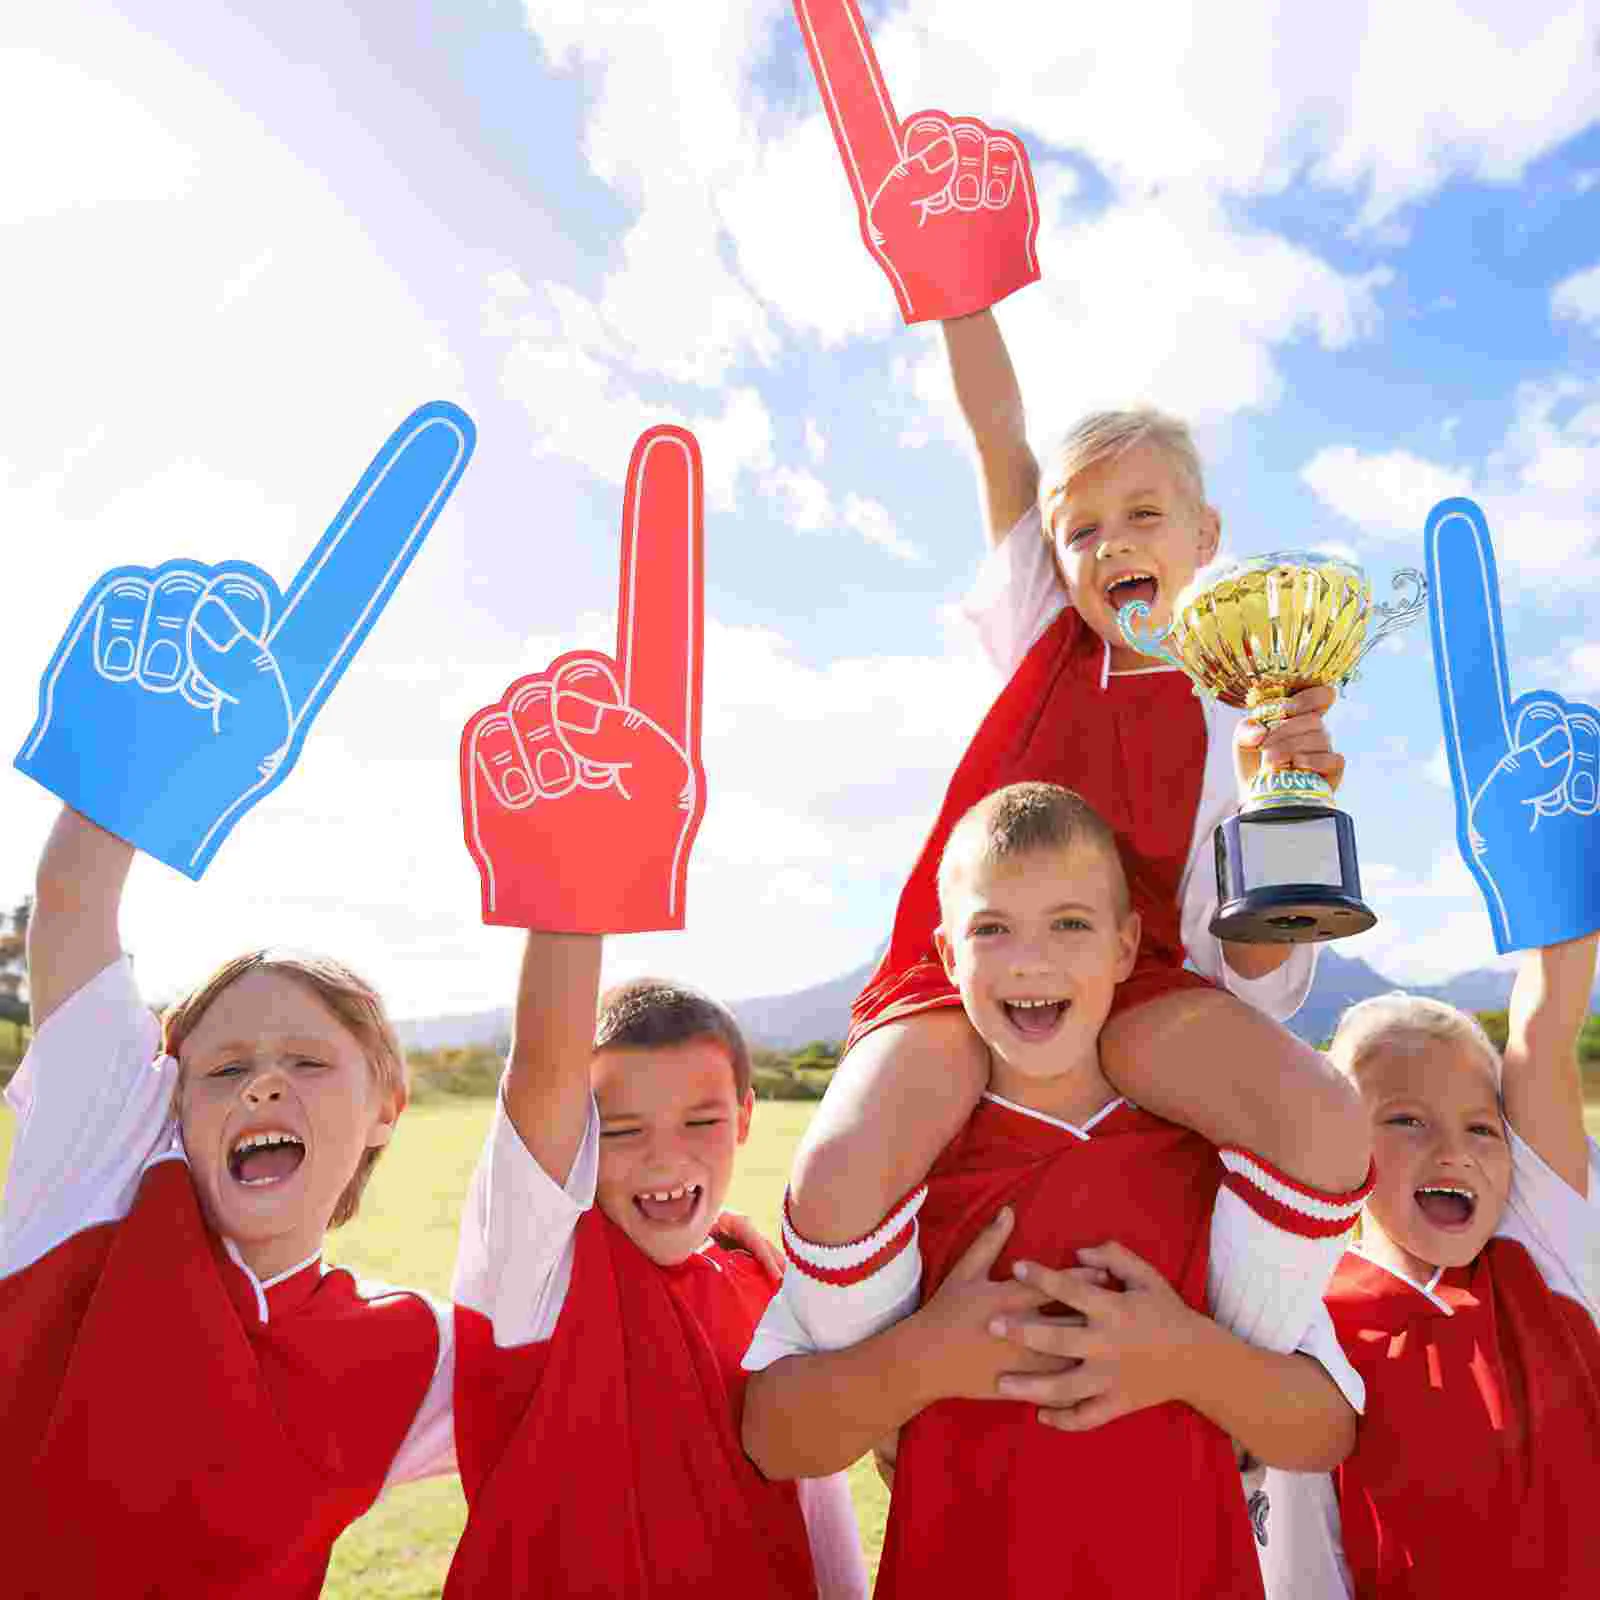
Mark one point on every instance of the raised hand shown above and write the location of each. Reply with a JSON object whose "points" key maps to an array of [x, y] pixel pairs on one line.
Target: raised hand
{"points": [[1524, 770], [946, 204], [181, 694], [581, 789]]}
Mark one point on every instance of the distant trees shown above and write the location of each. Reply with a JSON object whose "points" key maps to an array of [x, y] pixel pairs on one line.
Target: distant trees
{"points": [[13, 986]]}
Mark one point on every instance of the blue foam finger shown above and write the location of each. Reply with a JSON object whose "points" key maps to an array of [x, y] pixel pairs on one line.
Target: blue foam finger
{"points": [[180, 696], [1523, 770]]}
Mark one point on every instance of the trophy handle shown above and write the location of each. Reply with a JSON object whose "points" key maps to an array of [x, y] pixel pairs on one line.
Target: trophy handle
{"points": [[1132, 620], [1393, 617]]}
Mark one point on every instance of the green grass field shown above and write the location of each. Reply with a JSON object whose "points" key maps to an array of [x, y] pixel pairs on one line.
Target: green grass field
{"points": [[407, 1234]]}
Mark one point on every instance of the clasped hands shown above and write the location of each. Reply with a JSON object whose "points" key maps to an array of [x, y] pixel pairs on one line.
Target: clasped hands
{"points": [[1067, 1340]]}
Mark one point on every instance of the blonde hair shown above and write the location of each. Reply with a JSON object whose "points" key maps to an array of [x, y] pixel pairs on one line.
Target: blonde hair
{"points": [[1103, 435], [1023, 818], [354, 1002], [1406, 1022]]}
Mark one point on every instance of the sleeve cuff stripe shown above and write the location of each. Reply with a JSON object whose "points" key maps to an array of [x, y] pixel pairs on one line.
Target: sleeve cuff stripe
{"points": [[844, 1276], [805, 1252], [1249, 1177]]}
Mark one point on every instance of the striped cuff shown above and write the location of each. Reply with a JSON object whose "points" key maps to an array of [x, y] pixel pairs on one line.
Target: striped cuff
{"points": [[1294, 1207], [844, 1264]]}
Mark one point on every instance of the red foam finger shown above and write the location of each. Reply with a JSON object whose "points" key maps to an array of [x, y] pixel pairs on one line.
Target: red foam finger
{"points": [[532, 714], [972, 148], [660, 623], [499, 761], [1003, 167], [854, 95]]}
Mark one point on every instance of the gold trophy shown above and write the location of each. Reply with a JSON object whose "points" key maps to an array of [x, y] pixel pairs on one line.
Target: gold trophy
{"points": [[1250, 634]]}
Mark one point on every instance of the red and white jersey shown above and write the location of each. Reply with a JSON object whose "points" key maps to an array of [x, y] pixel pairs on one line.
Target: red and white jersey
{"points": [[979, 1504], [1478, 1461], [1014, 598], [169, 1422], [598, 1398]]}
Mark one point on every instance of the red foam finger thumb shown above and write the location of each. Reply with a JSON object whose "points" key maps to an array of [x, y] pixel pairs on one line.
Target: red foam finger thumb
{"points": [[604, 735]]}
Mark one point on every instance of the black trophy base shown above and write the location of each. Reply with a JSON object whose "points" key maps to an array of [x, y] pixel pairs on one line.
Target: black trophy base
{"points": [[1288, 876]]}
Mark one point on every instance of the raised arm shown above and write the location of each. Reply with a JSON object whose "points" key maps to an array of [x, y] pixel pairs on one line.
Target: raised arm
{"points": [[1541, 1085], [991, 401], [72, 933], [547, 1077]]}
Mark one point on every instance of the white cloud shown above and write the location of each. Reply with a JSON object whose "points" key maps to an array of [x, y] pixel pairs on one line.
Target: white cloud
{"points": [[1387, 495], [1157, 95], [1578, 298], [871, 519], [807, 505], [816, 445], [1539, 488]]}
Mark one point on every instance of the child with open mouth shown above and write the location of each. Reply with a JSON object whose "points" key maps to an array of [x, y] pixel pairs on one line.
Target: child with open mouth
{"points": [[192, 1402], [1470, 1308]]}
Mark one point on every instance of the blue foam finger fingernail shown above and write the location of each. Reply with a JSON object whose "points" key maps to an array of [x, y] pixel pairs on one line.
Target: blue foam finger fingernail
{"points": [[217, 625]]}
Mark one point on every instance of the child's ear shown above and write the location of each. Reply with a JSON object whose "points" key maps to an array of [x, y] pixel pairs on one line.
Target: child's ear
{"points": [[947, 954], [382, 1131], [1210, 533], [747, 1107], [1128, 944]]}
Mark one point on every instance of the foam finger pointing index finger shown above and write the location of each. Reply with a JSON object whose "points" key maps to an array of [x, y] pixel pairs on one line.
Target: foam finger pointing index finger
{"points": [[660, 623], [1468, 642], [854, 94]]}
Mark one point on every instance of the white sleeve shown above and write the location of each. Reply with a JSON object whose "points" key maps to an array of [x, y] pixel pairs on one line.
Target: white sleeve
{"points": [[94, 1105], [429, 1447], [1265, 1283], [1016, 594], [1302, 1555], [1558, 1227], [834, 1537], [1283, 991], [514, 1258]]}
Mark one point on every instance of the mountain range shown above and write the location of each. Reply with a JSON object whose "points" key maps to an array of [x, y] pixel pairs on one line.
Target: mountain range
{"points": [[788, 1021]]}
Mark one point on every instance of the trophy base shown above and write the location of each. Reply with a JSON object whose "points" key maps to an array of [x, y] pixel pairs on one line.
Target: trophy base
{"points": [[1287, 875]]}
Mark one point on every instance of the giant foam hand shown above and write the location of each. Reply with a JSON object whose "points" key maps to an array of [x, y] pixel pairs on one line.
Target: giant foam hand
{"points": [[581, 789], [180, 695], [946, 204], [1524, 770]]}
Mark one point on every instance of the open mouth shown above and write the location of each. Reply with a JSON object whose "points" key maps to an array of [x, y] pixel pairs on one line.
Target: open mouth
{"points": [[1129, 587], [1035, 1019], [668, 1208], [1447, 1205], [260, 1159]]}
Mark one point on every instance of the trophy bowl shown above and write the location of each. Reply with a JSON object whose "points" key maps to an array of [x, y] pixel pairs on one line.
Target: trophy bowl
{"points": [[1252, 633]]}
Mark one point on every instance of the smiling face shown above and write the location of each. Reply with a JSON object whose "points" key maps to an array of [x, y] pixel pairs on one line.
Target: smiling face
{"points": [[1439, 1145], [1130, 527], [670, 1122], [1037, 942], [278, 1104]]}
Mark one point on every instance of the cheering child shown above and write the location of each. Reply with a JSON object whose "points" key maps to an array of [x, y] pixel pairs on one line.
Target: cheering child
{"points": [[1036, 914], [1470, 1307], [192, 1403], [1120, 516]]}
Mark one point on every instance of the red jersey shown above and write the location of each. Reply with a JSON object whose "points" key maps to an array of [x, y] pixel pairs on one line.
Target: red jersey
{"points": [[170, 1427], [1135, 750], [1477, 1466], [606, 1460], [988, 1500]]}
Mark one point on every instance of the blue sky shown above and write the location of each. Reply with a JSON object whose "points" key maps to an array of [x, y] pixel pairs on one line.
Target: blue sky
{"points": [[1359, 250]]}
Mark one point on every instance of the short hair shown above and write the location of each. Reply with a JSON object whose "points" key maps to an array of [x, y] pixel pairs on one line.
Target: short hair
{"points": [[353, 1001], [1408, 1022], [1103, 435], [1023, 818], [654, 1014]]}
